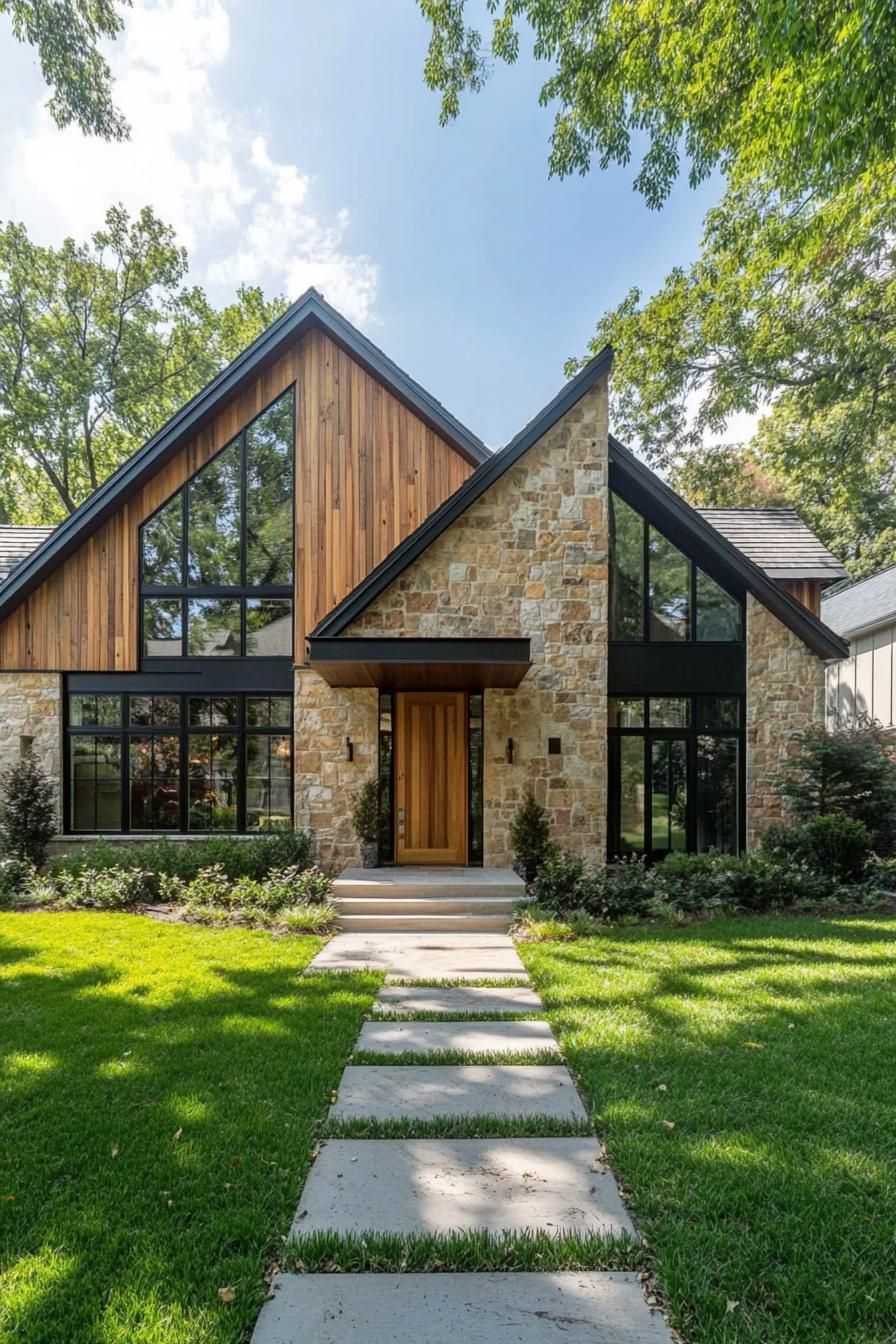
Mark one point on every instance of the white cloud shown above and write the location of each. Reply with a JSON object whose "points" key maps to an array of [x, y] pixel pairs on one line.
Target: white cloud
{"points": [[244, 217]]}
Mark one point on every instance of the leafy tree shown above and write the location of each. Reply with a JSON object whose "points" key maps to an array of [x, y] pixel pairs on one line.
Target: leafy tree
{"points": [[27, 811], [804, 95], [100, 342], [849, 773], [65, 34]]}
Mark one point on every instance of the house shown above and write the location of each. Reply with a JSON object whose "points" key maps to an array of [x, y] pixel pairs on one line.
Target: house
{"points": [[861, 687], [314, 575]]}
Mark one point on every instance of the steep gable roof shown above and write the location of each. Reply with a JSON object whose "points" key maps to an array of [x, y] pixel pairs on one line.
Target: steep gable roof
{"points": [[862, 605], [664, 504], [778, 541], [311, 310], [342, 615]]}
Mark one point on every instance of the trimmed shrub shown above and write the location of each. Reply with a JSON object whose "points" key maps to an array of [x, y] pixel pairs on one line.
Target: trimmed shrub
{"points": [[111, 889], [15, 876], [834, 846], [531, 837], [27, 811], [366, 812], [848, 773], [256, 857]]}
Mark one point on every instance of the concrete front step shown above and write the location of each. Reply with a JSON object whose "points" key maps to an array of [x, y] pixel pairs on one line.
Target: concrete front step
{"points": [[560, 1308], [399, 883], [402, 923], [425, 905]]}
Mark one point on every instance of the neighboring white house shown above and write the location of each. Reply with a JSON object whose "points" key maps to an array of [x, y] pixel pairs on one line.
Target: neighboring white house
{"points": [[863, 686]]}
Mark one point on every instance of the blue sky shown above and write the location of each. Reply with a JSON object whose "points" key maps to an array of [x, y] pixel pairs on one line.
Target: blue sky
{"points": [[294, 142]]}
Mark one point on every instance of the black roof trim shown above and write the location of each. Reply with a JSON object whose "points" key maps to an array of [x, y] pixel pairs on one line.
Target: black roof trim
{"points": [[311, 310], [670, 507], [337, 620]]}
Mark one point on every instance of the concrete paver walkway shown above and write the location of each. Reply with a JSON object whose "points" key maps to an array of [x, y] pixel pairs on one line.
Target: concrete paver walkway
{"points": [[416, 1185]]}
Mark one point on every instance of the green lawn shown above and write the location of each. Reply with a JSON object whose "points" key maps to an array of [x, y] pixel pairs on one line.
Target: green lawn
{"points": [[159, 1091], [770, 1046]]}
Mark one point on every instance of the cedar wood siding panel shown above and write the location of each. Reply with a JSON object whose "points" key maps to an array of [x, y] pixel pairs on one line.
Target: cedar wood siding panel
{"points": [[368, 471]]}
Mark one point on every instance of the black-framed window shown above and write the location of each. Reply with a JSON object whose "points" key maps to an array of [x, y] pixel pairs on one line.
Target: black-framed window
{"points": [[177, 762], [676, 774], [657, 593], [216, 559]]}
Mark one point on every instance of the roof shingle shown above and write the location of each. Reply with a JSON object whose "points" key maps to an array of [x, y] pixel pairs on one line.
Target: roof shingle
{"points": [[778, 541], [863, 605], [18, 541]]}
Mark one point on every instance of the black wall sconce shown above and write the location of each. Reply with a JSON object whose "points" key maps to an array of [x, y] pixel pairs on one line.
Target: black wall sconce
{"points": [[508, 752], [349, 749]]}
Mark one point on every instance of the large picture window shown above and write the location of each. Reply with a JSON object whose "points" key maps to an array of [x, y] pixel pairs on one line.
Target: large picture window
{"points": [[179, 762], [658, 594], [675, 774], [216, 560]]}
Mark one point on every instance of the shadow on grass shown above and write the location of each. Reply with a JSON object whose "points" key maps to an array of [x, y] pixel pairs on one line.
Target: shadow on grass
{"points": [[742, 1074], [161, 1091]]}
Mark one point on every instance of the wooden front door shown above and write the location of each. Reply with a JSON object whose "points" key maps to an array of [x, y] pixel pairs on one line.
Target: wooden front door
{"points": [[431, 777]]}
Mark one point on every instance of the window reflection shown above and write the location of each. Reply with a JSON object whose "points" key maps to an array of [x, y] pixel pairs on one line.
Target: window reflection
{"points": [[669, 589], [214, 521]]}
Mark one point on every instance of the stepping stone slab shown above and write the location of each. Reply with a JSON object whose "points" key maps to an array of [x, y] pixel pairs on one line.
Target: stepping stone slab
{"points": [[483, 1038], [413, 956], [445, 1185], [562, 1308], [480, 999], [426, 1092]]}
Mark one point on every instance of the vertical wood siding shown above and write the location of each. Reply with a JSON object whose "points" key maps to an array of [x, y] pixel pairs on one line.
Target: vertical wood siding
{"points": [[368, 472]]}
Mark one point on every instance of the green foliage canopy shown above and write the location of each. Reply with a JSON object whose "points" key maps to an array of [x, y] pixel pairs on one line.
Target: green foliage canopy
{"points": [[65, 35]]}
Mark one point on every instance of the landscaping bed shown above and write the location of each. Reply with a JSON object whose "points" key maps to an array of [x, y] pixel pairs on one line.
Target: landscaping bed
{"points": [[162, 1088]]}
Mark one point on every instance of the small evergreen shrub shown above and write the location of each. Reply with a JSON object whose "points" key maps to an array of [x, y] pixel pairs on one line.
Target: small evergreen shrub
{"points": [[366, 812], [27, 811], [15, 876], [531, 837], [834, 846], [849, 773]]}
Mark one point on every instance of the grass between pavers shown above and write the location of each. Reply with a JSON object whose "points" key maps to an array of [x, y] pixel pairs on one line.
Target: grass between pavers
{"points": [[532, 1015], [457, 1127], [458, 982], [770, 1045], [161, 1085], [379, 1058], [458, 1253]]}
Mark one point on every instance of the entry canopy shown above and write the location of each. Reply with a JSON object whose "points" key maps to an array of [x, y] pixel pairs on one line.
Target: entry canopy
{"points": [[420, 664]]}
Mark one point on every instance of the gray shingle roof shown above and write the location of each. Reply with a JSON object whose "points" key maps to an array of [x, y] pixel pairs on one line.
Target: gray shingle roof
{"points": [[863, 605], [17, 542], [778, 541]]}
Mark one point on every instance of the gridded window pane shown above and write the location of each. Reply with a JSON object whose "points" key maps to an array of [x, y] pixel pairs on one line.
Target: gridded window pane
{"points": [[670, 713], [154, 766], [669, 589], [154, 710], [626, 571], [268, 780], [212, 778], [269, 495], [268, 627], [87, 711], [717, 794], [718, 711], [95, 782], [213, 711], [213, 522], [213, 627], [719, 615], [162, 538], [668, 787], [631, 794], [162, 627], [268, 711], [626, 713]]}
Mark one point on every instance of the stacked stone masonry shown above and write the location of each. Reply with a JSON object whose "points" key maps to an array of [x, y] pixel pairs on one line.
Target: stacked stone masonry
{"points": [[30, 711], [785, 695]]}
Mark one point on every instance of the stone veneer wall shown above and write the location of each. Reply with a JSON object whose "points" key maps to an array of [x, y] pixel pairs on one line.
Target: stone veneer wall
{"points": [[31, 706], [325, 782], [785, 694], [529, 558]]}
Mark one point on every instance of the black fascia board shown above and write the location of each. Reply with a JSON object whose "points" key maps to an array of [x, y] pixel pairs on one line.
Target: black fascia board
{"points": [[672, 515], [311, 310], [397, 649], [398, 560]]}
